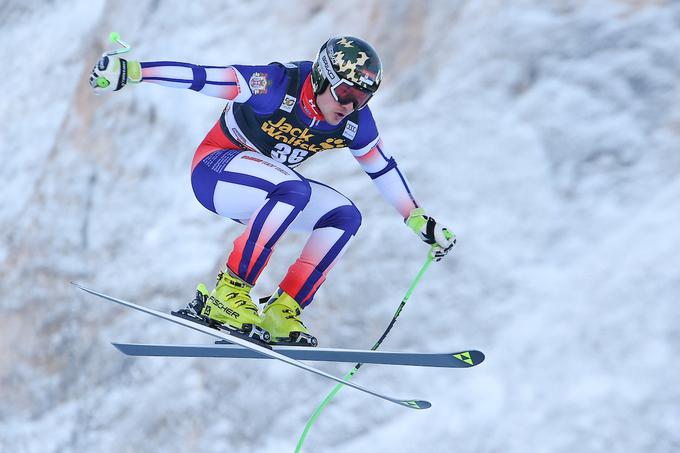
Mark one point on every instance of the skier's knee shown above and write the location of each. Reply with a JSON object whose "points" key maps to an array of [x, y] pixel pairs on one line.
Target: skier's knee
{"points": [[296, 193], [346, 218], [352, 218]]}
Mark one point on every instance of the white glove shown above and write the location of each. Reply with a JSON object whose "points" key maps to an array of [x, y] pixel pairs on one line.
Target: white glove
{"points": [[111, 73], [431, 232]]}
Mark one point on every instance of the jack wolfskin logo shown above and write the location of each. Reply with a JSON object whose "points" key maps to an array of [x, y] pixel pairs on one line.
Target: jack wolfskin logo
{"points": [[301, 138]]}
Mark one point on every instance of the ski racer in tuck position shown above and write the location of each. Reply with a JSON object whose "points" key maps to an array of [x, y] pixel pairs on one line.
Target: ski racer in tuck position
{"points": [[276, 117]]}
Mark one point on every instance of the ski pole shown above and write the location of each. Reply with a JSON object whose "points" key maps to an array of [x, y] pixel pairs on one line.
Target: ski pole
{"points": [[349, 375]]}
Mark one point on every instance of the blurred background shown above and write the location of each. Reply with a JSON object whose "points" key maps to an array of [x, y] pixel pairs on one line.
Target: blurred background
{"points": [[546, 134]]}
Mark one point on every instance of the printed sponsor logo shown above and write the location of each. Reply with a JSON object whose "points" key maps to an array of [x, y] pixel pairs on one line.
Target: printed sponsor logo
{"points": [[328, 69], [259, 83], [218, 303], [296, 137], [312, 104], [310, 107], [288, 103], [350, 130], [464, 357], [123, 75], [268, 164]]}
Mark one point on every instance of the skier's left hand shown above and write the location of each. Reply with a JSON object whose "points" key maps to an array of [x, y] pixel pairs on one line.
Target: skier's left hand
{"points": [[431, 232], [111, 73]]}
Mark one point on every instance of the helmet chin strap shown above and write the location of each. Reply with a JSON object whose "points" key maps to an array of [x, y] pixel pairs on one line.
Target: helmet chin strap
{"points": [[325, 84]]}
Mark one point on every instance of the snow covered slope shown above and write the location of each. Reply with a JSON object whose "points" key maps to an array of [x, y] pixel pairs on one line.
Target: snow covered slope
{"points": [[546, 134]]}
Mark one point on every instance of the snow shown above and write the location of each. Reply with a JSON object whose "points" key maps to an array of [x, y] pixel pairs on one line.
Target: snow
{"points": [[545, 134]]}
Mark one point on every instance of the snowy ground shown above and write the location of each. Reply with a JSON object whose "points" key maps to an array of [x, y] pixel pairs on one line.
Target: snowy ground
{"points": [[546, 134]]}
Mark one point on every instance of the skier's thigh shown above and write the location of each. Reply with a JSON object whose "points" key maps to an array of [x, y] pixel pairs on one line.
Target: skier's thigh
{"points": [[245, 182]]}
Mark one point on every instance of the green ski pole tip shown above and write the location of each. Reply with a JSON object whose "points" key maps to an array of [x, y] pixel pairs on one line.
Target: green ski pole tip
{"points": [[114, 36]]}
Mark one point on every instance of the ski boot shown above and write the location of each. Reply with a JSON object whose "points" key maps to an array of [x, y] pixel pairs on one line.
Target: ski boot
{"points": [[281, 318], [229, 307]]}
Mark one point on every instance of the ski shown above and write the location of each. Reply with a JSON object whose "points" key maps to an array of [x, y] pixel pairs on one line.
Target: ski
{"points": [[263, 350], [463, 359]]}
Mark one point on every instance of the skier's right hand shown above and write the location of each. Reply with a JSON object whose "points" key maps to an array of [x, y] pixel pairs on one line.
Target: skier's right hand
{"points": [[111, 73]]}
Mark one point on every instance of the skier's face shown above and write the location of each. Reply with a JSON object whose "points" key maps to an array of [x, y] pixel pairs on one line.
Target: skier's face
{"points": [[332, 110]]}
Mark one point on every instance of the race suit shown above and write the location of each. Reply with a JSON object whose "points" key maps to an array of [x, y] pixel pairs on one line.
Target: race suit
{"points": [[244, 168]]}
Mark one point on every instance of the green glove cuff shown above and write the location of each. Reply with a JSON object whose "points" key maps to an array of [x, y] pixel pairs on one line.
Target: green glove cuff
{"points": [[416, 220], [134, 69]]}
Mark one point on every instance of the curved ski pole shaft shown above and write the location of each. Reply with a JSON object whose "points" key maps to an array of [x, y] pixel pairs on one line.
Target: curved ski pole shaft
{"points": [[114, 37], [349, 375]]}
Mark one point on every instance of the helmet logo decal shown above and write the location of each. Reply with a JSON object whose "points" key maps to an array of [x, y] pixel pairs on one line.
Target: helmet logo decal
{"points": [[368, 77], [327, 68]]}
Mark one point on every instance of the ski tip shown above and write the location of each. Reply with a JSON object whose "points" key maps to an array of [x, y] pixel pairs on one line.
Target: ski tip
{"points": [[417, 404], [86, 289], [79, 286], [91, 291]]}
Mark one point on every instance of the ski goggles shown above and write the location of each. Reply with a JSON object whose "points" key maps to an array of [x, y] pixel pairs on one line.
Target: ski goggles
{"points": [[345, 92]]}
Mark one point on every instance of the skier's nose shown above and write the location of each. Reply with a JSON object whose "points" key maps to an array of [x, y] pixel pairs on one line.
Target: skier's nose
{"points": [[347, 108]]}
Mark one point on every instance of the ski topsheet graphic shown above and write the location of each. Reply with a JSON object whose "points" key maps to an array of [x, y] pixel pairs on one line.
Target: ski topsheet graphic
{"points": [[464, 359], [223, 335]]}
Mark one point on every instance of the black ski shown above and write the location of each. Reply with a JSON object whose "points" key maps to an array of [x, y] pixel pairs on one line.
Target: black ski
{"points": [[463, 359]]}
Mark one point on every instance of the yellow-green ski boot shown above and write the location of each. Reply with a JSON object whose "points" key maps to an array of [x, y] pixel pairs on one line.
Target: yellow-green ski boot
{"points": [[228, 306], [281, 318]]}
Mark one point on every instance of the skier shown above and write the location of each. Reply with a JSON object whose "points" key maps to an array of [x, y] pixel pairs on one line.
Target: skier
{"points": [[277, 116]]}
